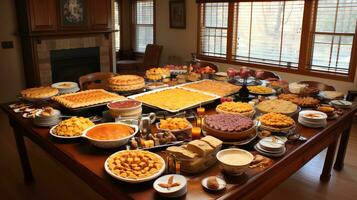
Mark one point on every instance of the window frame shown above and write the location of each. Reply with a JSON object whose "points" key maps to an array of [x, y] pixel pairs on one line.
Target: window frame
{"points": [[305, 52], [133, 25], [120, 4]]}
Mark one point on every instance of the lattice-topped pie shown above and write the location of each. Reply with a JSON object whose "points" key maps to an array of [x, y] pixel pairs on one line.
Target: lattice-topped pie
{"points": [[39, 92], [126, 83], [301, 101], [86, 98], [214, 87], [236, 108]]}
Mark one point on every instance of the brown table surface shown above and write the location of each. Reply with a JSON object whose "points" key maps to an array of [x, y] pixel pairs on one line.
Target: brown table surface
{"points": [[87, 162]]}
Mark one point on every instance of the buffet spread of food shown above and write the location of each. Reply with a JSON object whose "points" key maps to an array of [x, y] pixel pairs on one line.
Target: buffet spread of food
{"points": [[187, 145]]}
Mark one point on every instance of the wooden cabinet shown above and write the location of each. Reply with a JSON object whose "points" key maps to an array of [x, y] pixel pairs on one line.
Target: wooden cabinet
{"points": [[43, 15], [100, 14]]}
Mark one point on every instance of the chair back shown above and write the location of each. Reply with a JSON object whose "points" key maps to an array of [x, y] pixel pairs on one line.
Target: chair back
{"points": [[152, 55], [318, 85], [97, 80]]}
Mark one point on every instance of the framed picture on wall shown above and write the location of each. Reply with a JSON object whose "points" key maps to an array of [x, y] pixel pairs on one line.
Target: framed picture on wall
{"points": [[73, 13], [177, 13]]}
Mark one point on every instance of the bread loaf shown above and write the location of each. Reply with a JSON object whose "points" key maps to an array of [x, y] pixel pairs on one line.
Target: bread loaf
{"points": [[212, 141], [181, 152], [199, 147]]}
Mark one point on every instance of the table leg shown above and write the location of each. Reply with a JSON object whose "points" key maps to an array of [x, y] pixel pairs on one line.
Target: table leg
{"points": [[21, 150], [330, 155], [342, 149]]}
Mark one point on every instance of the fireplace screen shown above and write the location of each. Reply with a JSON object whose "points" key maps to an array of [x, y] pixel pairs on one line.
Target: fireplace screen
{"points": [[70, 64]]}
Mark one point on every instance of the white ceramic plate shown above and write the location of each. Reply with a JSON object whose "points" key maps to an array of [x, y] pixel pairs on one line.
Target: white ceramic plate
{"points": [[310, 125], [173, 191], [129, 180], [221, 182]]}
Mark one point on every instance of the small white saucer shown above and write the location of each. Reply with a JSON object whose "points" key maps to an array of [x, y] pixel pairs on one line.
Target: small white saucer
{"points": [[222, 184]]}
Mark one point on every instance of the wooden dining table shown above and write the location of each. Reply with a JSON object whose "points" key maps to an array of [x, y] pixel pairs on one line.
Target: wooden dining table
{"points": [[87, 161]]}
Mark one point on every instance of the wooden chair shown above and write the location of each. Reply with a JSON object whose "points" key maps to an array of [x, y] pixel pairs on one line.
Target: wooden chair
{"points": [[151, 59], [97, 80], [318, 85]]}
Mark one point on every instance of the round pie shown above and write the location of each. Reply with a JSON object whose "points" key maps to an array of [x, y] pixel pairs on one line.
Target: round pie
{"points": [[276, 120], [277, 106], [126, 83], [157, 73], [39, 92], [228, 122]]}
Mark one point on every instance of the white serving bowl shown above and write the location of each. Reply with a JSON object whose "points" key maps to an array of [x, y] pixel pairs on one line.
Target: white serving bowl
{"points": [[107, 144], [125, 112], [231, 168]]}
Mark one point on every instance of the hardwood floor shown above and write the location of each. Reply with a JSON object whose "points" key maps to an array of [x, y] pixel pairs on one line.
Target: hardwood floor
{"points": [[53, 181]]}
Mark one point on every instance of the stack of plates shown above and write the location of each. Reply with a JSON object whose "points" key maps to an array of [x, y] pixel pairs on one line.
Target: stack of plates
{"points": [[47, 121], [271, 146], [341, 103], [312, 119], [66, 87]]}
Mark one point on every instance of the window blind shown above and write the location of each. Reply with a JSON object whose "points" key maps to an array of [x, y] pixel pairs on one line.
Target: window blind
{"points": [[334, 34], [117, 25], [214, 18], [144, 24], [268, 32]]}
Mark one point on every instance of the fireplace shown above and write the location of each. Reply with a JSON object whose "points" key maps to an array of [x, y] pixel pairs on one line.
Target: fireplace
{"points": [[70, 64]]}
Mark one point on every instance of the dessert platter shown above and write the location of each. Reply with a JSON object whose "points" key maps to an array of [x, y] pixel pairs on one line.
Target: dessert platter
{"points": [[237, 108], [38, 93], [218, 88], [156, 74], [126, 83], [276, 122], [86, 98], [134, 166], [71, 128], [174, 99], [301, 101]]}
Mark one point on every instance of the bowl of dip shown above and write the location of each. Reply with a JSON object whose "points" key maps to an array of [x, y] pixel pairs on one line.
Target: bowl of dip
{"points": [[234, 161], [110, 135], [125, 108]]}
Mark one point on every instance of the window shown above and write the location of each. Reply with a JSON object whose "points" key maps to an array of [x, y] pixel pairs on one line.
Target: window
{"points": [[143, 24], [269, 32], [214, 29], [117, 24], [311, 37], [334, 34]]}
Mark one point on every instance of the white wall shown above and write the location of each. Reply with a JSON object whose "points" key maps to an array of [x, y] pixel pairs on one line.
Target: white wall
{"points": [[179, 44], [11, 70]]}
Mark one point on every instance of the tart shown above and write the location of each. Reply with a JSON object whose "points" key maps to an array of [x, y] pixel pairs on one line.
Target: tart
{"points": [[126, 83], [39, 92], [174, 98], [86, 98], [236, 108], [157, 73], [276, 120], [277, 106], [214, 87]]}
